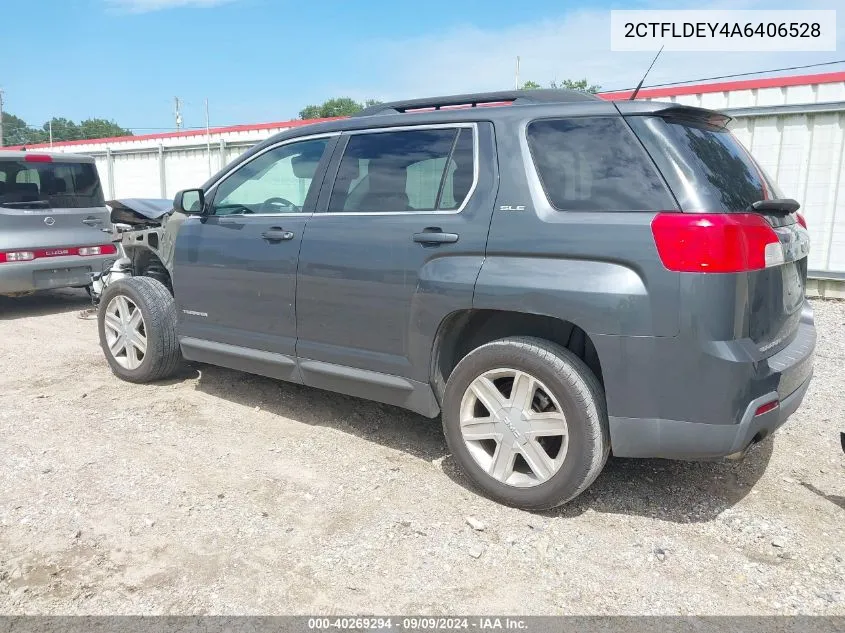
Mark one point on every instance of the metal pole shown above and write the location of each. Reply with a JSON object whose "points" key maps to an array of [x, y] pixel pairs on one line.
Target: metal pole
{"points": [[51, 133], [1, 118], [178, 113], [516, 75], [207, 137]]}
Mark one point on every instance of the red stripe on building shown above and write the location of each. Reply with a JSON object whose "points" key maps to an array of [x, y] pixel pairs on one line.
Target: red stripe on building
{"points": [[728, 86]]}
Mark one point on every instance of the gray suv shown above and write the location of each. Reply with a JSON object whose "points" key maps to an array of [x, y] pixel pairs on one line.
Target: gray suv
{"points": [[555, 275], [52, 217]]}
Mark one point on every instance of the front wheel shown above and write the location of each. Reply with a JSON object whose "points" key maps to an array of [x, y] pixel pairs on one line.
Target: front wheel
{"points": [[137, 327], [526, 419]]}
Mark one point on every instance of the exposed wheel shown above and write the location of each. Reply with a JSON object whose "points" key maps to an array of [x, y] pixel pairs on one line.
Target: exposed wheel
{"points": [[137, 325], [526, 420]]}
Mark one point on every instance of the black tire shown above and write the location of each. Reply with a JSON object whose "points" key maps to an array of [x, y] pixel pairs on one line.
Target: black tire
{"points": [[158, 309], [581, 399]]}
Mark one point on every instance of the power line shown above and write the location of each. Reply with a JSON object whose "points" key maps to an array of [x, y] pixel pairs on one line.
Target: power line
{"points": [[756, 72]]}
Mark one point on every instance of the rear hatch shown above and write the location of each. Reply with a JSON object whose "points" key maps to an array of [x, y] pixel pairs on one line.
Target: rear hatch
{"points": [[762, 237], [50, 203]]}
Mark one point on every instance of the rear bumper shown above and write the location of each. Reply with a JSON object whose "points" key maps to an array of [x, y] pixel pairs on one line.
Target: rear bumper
{"points": [[674, 399], [672, 439], [54, 272]]}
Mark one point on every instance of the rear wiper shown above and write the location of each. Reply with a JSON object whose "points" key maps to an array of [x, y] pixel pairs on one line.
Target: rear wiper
{"points": [[42, 203], [776, 205]]}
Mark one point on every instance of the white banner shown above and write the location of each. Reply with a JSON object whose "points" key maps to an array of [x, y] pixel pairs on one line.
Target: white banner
{"points": [[725, 30]]}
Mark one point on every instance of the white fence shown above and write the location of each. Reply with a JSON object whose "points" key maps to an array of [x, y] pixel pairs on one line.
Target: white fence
{"points": [[795, 127]]}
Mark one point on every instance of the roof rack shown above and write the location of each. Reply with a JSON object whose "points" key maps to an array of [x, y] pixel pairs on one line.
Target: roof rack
{"points": [[478, 99]]}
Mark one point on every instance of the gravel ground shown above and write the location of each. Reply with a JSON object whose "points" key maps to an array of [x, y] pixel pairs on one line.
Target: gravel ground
{"points": [[220, 492]]}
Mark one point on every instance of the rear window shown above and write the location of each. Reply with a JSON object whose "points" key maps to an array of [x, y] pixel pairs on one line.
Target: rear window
{"points": [[707, 168], [595, 164], [49, 185]]}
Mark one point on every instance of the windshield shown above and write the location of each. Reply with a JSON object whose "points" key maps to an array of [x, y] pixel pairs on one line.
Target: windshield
{"points": [[706, 167], [40, 185]]}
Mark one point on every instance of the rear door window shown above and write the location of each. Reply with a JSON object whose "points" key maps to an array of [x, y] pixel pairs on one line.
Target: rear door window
{"points": [[707, 168], [412, 170], [49, 185], [595, 164]]}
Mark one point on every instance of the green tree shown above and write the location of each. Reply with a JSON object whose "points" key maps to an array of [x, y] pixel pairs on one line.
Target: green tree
{"points": [[63, 129], [582, 85], [17, 132], [101, 128], [339, 106], [530, 85]]}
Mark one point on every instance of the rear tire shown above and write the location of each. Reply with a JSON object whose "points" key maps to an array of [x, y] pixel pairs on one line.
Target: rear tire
{"points": [[533, 456], [137, 326]]}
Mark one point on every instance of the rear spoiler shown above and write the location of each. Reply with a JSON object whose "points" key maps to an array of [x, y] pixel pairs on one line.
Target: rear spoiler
{"points": [[672, 110]]}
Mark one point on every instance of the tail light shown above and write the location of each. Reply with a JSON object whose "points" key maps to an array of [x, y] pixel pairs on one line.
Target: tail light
{"points": [[17, 256], [107, 249], [38, 158], [801, 220], [715, 242], [82, 251]]}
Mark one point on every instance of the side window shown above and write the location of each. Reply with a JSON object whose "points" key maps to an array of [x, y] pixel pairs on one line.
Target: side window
{"points": [[595, 164], [413, 170], [278, 181]]}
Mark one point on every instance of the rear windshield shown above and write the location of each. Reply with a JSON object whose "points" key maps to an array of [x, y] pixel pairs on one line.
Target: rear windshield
{"points": [[49, 185], [595, 164], [706, 167]]}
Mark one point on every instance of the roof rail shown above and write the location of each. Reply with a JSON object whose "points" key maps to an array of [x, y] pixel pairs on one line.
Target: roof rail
{"points": [[474, 100]]}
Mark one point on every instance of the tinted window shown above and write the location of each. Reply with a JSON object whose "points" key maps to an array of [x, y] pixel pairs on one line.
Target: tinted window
{"points": [[278, 181], [415, 170], [49, 184], [595, 164], [706, 166]]}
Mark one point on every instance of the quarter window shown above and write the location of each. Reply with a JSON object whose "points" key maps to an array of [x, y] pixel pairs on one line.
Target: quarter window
{"points": [[595, 164], [414, 170], [278, 181]]}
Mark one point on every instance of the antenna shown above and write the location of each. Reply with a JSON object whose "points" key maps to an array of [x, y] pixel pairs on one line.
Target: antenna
{"points": [[640, 85]]}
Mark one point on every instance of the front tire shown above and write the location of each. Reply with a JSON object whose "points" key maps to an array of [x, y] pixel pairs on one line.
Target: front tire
{"points": [[526, 420], [137, 327]]}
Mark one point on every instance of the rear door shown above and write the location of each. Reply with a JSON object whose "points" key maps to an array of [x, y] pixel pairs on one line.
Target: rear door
{"points": [[50, 203], [234, 275], [397, 246]]}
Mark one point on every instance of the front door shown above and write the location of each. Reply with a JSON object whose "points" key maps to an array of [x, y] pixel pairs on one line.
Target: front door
{"points": [[395, 246], [234, 276]]}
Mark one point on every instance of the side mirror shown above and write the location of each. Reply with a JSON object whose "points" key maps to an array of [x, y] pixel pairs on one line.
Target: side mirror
{"points": [[190, 201]]}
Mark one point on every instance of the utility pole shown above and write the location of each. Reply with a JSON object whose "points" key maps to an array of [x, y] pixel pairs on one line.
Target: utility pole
{"points": [[178, 113], [1, 118], [207, 137], [516, 75], [51, 133]]}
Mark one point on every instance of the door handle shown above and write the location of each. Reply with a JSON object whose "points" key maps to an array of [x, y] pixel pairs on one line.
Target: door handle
{"points": [[276, 234], [434, 235], [92, 221]]}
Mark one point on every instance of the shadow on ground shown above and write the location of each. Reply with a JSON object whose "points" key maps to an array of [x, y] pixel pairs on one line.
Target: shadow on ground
{"points": [[834, 499], [387, 425], [682, 492], [43, 303]]}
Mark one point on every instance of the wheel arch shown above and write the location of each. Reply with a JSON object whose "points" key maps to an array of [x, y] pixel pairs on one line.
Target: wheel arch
{"points": [[462, 331]]}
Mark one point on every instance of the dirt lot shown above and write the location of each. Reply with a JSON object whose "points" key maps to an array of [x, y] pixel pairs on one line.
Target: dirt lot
{"points": [[220, 492]]}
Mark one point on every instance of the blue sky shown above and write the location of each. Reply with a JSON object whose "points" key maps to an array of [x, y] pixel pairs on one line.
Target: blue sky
{"points": [[263, 60]]}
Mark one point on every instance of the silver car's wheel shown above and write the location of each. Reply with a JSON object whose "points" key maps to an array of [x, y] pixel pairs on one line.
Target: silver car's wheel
{"points": [[513, 427], [126, 332]]}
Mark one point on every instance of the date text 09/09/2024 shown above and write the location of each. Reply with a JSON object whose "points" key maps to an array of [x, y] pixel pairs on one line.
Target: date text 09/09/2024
{"points": [[417, 623]]}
